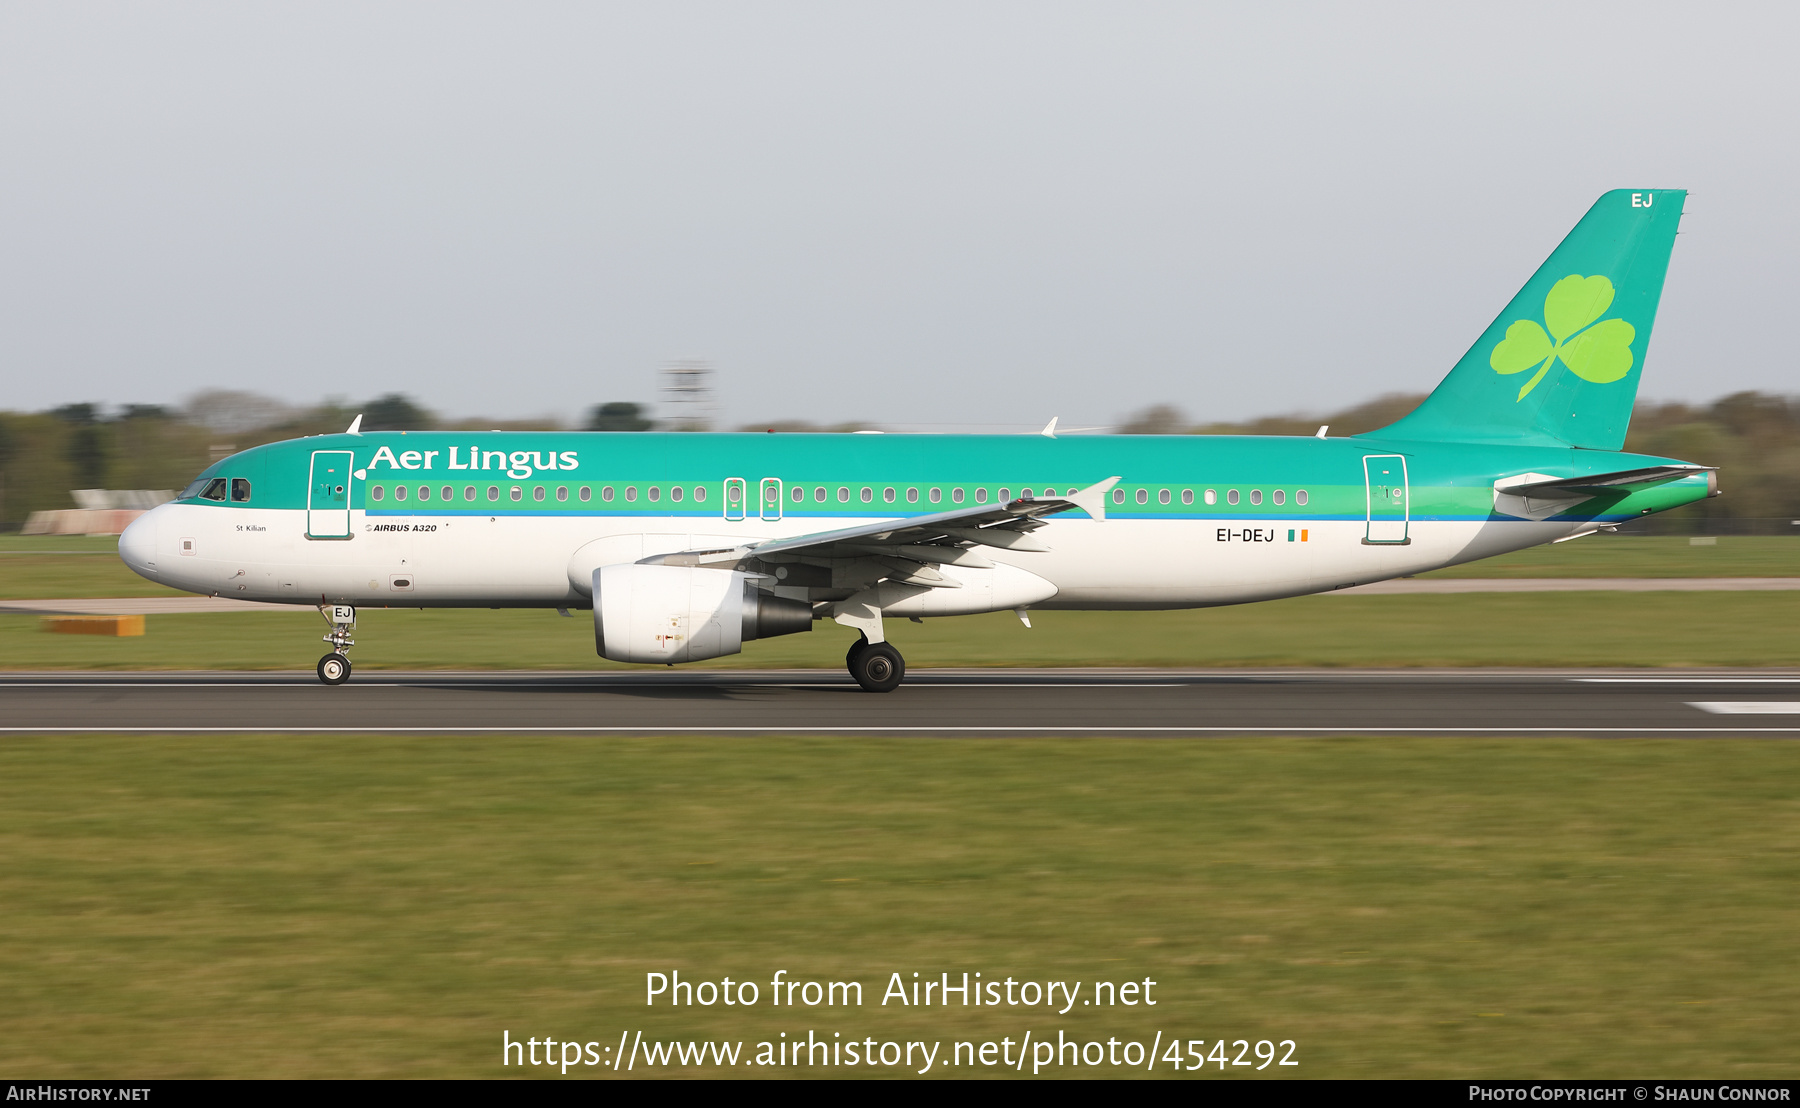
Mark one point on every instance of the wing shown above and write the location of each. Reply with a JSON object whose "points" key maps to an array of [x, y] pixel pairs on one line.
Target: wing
{"points": [[906, 549]]}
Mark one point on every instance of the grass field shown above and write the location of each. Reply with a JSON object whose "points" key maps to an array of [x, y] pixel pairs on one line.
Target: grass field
{"points": [[40, 567], [1564, 629], [1500, 629], [361, 906], [376, 906], [1606, 555]]}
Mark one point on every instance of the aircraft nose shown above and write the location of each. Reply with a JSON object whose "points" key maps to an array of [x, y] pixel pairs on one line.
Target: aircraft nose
{"points": [[137, 544]]}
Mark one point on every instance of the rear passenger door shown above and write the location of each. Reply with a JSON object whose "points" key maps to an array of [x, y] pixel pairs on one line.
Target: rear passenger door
{"points": [[1389, 499]]}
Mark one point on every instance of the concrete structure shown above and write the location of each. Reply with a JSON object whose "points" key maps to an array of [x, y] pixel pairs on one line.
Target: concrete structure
{"points": [[97, 512]]}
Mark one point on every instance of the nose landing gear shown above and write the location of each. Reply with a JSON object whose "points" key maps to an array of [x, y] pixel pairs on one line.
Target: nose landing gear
{"points": [[334, 668]]}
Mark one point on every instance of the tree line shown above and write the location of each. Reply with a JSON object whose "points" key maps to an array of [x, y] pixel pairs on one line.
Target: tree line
{"points": [[46, 455], [1753, 436]]}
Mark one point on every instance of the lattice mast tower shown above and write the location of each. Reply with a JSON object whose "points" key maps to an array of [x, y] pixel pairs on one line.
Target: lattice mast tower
{"points": [[688, 394]]}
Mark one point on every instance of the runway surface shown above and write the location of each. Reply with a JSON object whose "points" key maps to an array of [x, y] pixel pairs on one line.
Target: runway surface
{"points": [[935, 702]]}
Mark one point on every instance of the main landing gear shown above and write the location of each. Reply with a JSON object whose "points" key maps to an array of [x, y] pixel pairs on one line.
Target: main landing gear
{"points": [[877, 667], [334, 668]]}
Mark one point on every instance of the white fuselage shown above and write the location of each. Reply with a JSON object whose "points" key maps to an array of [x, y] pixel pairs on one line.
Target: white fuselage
{"points": [[547, 561]]}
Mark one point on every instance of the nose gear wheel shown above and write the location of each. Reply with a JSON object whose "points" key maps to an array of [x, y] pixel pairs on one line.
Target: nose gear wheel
{"points": [[334, 669]]}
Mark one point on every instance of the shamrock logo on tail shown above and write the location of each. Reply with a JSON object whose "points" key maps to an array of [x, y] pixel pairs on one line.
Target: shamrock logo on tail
{"points": [[1597, 352]]}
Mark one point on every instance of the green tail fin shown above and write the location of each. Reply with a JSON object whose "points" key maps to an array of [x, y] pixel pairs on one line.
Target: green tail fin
{"points": [[1560, 366]]}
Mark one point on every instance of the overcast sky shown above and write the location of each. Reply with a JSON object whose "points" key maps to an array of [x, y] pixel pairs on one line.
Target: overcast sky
{"points": [[916, 214]]}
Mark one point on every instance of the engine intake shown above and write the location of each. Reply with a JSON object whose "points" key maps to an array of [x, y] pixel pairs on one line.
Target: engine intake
{"points": [[663, 614]]}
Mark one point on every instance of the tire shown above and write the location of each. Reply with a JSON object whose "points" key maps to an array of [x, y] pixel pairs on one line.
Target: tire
{"points": [[861, 644], [878, 668], [334, 669]]}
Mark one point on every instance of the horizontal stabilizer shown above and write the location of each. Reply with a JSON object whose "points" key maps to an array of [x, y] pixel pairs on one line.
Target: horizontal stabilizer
{"points": [[1538, 486], [1541, 495]]}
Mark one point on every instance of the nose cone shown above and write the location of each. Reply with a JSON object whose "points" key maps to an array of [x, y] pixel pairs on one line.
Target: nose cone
{"points": [[137, 545]]}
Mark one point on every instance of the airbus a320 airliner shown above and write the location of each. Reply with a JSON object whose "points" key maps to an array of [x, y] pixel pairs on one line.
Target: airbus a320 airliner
{"points": [[687, 546]]}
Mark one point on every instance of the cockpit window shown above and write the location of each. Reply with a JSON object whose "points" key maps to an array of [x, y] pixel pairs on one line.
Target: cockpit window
{"points": [[193, 489], [240, 490], [215, 490]]}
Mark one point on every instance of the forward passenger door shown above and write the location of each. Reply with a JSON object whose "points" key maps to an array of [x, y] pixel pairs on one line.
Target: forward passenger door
{"points": [[328, 495]]}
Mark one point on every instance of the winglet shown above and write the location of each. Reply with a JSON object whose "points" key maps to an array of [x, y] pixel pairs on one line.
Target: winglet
{"points": [[355, 425], [1049, 430], [1092, 499], [1323, 427]]}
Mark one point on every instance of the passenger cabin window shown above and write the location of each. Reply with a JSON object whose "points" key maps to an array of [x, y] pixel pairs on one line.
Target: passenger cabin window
{"points": [[868, 494], [537, 494], [819, 494], [240, 490], [675, 493], [956, 496], [399, 492], [606, 494], [1143, 496], [215, 490], [912, 496], [981, 496], [1300, 497], [700, 493], [1005, 495], [518, 494], [936, 496], [493, 493], [1231, 497], [1256, 496], [468, 492], [424, 492], [447, 493], [799, 495], [1279, 496], [843, 495], [562, 493], [376, 492], [630, 492], [1212, 497], [655, 493], [1162, 497], [1187, 496], [887, 496], [1118, 496], [585, 494]]}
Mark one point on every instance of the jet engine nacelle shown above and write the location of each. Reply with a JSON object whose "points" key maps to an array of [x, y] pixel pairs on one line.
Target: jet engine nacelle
{"points": [[661, 614]]}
